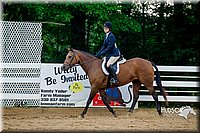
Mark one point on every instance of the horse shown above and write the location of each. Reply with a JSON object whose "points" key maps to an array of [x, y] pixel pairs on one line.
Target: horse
{"points": [[136, 70]]}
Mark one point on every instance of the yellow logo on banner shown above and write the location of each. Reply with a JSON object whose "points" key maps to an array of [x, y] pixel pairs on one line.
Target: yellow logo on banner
{"points": [[76, 87]]}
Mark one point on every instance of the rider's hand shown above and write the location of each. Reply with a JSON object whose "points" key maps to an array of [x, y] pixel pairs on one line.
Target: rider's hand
{"points": [[97, 55]]}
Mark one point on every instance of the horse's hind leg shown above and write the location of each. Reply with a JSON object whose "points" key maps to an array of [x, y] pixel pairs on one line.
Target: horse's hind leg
{"points": [[136, 87], [155, 97], [103, 96]]}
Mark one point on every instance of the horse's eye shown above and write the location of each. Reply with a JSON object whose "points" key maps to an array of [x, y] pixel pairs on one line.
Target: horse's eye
{"points": [[69, 57]]}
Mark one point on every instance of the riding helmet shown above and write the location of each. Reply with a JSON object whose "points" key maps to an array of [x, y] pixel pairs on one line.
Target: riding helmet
{"points": [[108, 24]]}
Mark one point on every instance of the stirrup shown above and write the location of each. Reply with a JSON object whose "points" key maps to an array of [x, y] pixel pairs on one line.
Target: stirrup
{"points": [[113, 81]]}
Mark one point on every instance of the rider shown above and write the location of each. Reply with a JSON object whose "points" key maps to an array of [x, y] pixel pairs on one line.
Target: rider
{"points": [[109, 48]]}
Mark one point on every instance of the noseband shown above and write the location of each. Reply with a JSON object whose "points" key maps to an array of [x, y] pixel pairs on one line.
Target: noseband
{"points": [[72, 58]]}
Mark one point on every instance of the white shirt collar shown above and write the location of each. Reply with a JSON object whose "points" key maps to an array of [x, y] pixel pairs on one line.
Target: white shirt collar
{"points": [[107, 34]]}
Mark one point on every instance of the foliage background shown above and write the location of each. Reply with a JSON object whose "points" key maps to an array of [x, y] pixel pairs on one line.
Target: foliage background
{"points": [[167, 34]]}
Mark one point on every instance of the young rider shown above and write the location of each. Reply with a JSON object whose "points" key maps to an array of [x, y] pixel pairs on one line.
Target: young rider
{"points": [[109, 48]]}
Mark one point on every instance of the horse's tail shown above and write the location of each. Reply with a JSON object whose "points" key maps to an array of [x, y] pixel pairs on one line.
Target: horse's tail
{"points": [[159, 84], [130, 86]]}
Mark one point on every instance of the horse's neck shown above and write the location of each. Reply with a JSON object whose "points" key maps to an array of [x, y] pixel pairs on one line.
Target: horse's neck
{"points": [[88, 62]]}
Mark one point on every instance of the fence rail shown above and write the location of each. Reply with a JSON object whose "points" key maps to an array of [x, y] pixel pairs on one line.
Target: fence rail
{"points": [[189, 85]]}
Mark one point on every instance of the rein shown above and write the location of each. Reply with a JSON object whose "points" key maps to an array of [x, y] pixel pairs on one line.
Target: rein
{"points": [[87, 61], [74, 56], [83, 63]]}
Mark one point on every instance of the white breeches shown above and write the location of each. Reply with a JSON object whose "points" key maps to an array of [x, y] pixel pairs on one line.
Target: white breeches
{"points": [[112, 60]]}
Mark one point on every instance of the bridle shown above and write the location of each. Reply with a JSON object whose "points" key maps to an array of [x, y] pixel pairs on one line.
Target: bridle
{"points": [[74, 57]]}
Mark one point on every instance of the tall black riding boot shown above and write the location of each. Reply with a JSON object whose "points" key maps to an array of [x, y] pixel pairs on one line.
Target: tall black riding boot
{"points": [[113, 74]]}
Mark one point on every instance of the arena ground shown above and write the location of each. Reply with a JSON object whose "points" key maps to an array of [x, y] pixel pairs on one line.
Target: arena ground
{"points": [[97, 119]]}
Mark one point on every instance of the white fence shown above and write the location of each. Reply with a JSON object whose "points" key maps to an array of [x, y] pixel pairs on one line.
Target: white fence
{"points": [[21, 47], [184, 78], [53, 89]]}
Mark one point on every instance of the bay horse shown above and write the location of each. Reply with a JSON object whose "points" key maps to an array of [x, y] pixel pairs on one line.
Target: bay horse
{"points": [[136, 70]]}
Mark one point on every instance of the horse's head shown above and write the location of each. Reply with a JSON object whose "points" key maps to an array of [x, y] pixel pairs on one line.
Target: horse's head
{"points": [[71, 59], [191, 110]]}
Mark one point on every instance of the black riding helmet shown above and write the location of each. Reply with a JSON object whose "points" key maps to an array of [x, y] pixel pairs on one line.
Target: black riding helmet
{"points": [[108, 25]]}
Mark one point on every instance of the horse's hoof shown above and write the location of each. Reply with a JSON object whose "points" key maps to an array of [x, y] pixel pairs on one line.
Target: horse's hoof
{"points": [[161, 114], [129, 113], [81, 116], [115, 114]]}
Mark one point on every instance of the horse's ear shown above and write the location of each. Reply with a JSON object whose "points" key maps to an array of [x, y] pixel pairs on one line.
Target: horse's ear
{"points": [[70, 49]]}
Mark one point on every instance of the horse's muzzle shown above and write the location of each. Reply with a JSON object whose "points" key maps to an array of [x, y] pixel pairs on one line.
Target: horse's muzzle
{"points": [[65, 67]]}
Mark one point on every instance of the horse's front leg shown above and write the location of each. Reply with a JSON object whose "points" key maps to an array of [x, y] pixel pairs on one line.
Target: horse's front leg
{"points": [[103, 96], [93, 92]]}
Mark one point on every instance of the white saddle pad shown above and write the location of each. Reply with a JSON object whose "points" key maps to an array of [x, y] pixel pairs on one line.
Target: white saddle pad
{"points": [[118, 63]]}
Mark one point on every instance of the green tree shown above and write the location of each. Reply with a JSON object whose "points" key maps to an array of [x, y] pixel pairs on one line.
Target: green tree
{"points": [[166, 34]]}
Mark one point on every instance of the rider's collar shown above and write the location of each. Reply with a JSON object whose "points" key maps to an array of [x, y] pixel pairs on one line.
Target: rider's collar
{"points": [[107, 33]]}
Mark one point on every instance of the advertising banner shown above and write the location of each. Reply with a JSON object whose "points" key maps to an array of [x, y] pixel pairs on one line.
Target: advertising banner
{"points": [[71, 88], [63, 88]]}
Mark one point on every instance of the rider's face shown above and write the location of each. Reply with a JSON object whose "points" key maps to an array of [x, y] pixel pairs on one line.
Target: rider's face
{"points": [[106, 30]]}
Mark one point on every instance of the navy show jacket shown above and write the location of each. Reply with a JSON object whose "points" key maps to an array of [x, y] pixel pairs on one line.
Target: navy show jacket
{"points": [[109, 47]]}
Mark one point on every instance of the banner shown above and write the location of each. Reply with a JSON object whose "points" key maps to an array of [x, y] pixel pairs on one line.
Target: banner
{"points": [[63, 88], [71, 88], [116, 97]]}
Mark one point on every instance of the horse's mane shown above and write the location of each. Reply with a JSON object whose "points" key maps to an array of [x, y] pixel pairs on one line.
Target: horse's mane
{"points": [[86, 53]]}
